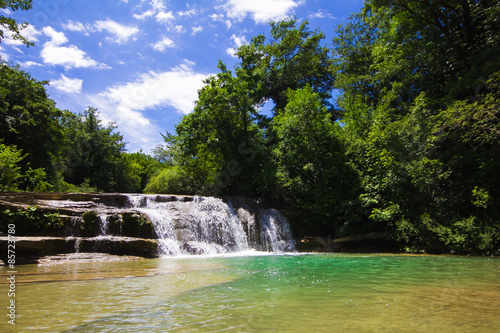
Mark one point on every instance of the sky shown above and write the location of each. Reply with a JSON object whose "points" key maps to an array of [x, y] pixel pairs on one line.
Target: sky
{"points": [[142, 62]]}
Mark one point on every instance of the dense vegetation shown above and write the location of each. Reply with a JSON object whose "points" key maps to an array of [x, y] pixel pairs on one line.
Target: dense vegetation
{"points": [[394, 127], [43, 148]]}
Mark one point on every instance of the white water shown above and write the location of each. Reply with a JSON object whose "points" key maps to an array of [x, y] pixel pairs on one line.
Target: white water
{"points": [[209, 226]]}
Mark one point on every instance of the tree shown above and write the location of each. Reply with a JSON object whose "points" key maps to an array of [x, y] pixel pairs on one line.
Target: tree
{"points": [[291, 59], [12, 25], [310, 161], [10, 171], [94, 154], [394, 50], [419, 122], [29, 120], [214, 144]]}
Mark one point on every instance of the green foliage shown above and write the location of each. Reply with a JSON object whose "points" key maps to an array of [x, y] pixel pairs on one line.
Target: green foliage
{"points": [[30, 220], [421, 123], [61, 151], [95, 152], [90, 224], [30, 121], [10, 171], [310, 162], [171, 180], [82, 188], [216, 144]]}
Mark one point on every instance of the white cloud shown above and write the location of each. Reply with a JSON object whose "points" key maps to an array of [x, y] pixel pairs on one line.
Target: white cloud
{"points": [[144, 15], [163, 44], [216, 17], [321, 14], [68, 85], [220, 18], [164, 17], [125, 103], [3, 56], [261, 10], [238, 41], [158, 11], [195, 30], [77, 26], [57, 38], [68, 56], [188, 13], [122, 33], [178, 29], [30, 33], [28, 64], [177, 88]]}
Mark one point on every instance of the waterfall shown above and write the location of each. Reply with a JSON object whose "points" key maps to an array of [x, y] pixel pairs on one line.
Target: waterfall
{"points": [[175, 225], [276, 235], [207, 225]]}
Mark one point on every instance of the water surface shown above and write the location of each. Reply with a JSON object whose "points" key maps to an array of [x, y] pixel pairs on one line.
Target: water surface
{"points": [[261, 293]]}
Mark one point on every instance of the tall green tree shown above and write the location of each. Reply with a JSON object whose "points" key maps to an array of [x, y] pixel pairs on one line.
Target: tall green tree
{"points": [[310, 160], [215, 143], [419, 120], [394, 50], [29, 120], [291, 58]]}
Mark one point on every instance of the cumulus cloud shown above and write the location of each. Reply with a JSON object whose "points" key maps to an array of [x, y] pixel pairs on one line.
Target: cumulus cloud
{"points": [[177, 88], [53, 53], [195, 30], [121, 33], [125, 103], [188, 13], [261, 11], [164, 17], [68, 85], [238, 41], [163, 44], [29, 32], [28, 64], [158, 11], [220, 18]]}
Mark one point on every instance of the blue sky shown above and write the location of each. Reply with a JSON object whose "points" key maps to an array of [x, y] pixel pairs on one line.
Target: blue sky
{"points": [[141, 62]]}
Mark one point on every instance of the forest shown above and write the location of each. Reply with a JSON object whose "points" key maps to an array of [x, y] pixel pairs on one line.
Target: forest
{"points": [[394, 125]]}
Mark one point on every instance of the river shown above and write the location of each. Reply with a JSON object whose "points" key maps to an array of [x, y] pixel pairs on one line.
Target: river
{"points": [[258, 292]]}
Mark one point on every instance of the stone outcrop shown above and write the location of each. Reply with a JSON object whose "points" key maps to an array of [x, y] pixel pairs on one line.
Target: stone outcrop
{"points": [[140, 225], [30, 249], [73, 225]]}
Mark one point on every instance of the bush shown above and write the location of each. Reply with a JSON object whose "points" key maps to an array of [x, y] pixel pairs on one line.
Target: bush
{"points": [[30, 221], [172, 180], [10, 171]]}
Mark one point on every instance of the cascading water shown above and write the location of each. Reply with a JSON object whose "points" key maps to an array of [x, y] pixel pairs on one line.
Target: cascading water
{"points": [[275, 235], [176, 225], [206, 225]]}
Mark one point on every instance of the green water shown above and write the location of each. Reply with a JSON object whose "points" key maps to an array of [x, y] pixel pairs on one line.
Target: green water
{"points": [[290, 293]]}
